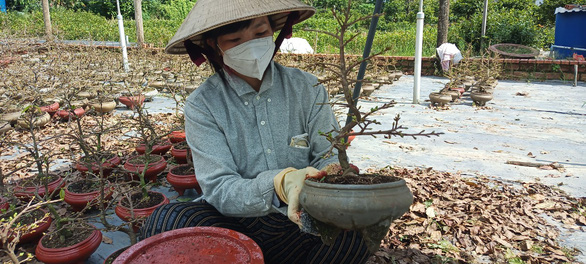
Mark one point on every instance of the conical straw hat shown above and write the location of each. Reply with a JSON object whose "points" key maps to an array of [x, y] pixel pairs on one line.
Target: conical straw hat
{"points": [[210, 14]]}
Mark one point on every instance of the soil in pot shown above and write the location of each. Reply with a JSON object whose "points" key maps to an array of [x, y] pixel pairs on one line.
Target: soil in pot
{"points": [[34, 234], [26, 188], [136, 164], [83, 193], [83, 241], [138, 202], [111, 161], [160, 148], [142, 207], [356, 179]]}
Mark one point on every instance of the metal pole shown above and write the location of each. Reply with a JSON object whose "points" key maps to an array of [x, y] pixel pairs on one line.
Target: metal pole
{"points": [[418, 52], [122, 37], [365, 54], [484, 18]]}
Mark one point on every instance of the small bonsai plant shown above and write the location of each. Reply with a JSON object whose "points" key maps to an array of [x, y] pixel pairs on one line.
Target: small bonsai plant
{"points": [[137, 205], [347, 199]]}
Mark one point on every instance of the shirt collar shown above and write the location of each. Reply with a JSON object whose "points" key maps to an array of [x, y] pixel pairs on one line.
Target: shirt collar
{"points": [[241, 87]]}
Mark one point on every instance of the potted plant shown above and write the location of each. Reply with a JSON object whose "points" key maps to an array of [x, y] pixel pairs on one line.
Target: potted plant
{"points": [[21, 225], [182, 176], [179, 151], [346, 199], [137, 205]]}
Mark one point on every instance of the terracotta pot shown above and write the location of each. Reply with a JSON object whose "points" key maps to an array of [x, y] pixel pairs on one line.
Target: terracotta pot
{"points": [[126, 215], [66, 115], [177, 136], [51, 109], [439, 99], [27, 193], [158, 149], [153, 169], [195, 245], [131, 101], [107, 166], [353, 207], [181, 182], [79, 201], [104, 107], [34, 234], [180, 155], [38, 121], [480, 99], [77, 253]]}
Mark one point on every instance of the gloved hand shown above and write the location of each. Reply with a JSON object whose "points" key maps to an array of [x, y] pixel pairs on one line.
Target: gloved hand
{"points": [[288, 185]]}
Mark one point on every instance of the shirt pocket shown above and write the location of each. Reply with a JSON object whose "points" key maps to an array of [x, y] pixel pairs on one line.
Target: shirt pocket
{"points": [[298, 157]]}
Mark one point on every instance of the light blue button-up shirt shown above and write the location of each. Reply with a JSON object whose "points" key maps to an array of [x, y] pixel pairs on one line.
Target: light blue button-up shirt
{"points": [[240, 139]]}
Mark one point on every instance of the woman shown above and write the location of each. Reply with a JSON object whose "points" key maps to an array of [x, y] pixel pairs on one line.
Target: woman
{"points": [[254, 131]]}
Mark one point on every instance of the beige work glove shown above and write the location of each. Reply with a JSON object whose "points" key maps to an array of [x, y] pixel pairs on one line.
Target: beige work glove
{"points": [[288, 185]]}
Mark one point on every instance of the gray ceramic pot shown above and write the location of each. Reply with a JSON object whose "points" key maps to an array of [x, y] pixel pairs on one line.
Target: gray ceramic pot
{"points": [[353, 207]]}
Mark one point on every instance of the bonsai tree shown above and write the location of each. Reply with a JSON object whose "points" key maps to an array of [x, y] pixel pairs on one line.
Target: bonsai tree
{"points": [[347, 199], [359, 121]]}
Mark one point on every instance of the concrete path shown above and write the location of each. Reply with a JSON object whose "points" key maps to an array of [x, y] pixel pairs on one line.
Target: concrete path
{"points": [[549, 122]]}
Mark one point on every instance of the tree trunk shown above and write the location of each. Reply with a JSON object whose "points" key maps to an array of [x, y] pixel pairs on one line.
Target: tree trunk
{"points": [[443, 22], [47, 20], [138, 19]]}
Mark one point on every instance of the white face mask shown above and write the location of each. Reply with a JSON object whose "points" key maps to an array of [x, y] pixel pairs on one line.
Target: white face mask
{"points": [[251, 58]]}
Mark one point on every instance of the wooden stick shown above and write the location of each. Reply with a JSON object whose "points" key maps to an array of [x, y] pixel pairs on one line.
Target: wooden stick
{"points": [[554, 165]]}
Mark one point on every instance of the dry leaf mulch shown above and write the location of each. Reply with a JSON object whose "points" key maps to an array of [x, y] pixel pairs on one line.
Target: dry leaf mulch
{"points": [[456, 219]]}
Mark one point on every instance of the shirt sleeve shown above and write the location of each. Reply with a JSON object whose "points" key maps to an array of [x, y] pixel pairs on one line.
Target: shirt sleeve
{"points": [[216, 171]]}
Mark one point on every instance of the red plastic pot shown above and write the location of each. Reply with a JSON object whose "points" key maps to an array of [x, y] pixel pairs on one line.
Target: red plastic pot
{"points": [[158, 149], [154, 167], [34, 234], [66, 115], [132, 101], [26, 193], [182, 182], [107, 166], [177, 136], [77, 253], [461, 90], [180, 155], [51, 109], [195, 245], [125, 214], [79, 201]]}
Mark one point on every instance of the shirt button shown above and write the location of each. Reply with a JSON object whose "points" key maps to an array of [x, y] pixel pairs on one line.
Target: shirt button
{"points": [[257, 97], [245, 103], [269, 151], [269, 100], [262, 123]]}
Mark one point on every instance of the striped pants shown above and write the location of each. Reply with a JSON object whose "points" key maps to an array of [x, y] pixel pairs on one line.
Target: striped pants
{"points": [[280, 239]]}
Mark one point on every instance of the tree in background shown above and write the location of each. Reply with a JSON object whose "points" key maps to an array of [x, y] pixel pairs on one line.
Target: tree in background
{"points": [[47, 20]]}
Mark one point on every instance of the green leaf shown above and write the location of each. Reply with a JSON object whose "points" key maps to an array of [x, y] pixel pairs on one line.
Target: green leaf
{"points": [[62, 194]]}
